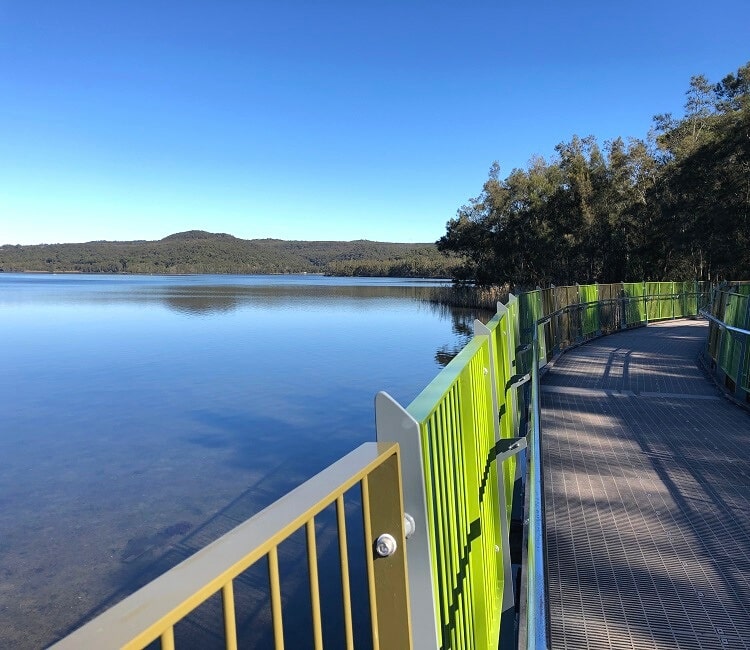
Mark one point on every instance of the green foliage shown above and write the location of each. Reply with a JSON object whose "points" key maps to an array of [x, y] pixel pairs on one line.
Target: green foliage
{"points": [[198, 251], [674, 205]]}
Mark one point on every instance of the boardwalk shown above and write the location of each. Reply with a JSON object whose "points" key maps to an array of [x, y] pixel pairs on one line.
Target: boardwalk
{"points": [[647, 492]]}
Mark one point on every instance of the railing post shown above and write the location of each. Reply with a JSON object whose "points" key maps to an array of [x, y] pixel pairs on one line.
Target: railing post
{"points": [[538, 315], [720, 350], [556, 330], [386, 545], [511, 324], [394, 424], [480, 329]]}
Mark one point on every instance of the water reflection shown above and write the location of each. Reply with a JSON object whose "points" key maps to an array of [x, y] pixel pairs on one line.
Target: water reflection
{"points": [[217, 299], [199, 305], [462, 324], [204, 295], [143, 417]]}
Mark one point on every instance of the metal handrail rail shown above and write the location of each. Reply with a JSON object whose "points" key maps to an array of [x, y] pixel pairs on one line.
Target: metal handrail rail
{"points": [[722, 324], [537, 638], [606, 301]]}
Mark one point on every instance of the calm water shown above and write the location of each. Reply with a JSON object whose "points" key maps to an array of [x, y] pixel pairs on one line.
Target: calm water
{"points": [[143, 417]]}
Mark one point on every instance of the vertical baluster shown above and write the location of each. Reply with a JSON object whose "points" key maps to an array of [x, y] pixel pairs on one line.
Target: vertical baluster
{"points": [[312, 564], [167, 639], [230, 623], [344, 561], [273, 575], [370, 566]]}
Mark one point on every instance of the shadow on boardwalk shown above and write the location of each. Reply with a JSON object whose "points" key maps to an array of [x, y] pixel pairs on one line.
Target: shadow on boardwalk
{"points": [[647, 494]]}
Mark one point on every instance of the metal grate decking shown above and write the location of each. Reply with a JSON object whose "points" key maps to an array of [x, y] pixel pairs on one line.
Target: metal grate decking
{"points": [[647, 494]]}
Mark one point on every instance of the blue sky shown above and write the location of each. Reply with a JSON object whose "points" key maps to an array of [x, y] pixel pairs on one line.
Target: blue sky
{"points": [[319, 120]]}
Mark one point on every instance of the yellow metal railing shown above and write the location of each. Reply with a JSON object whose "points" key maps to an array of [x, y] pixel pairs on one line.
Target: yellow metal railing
{"points": [[152, 612]]}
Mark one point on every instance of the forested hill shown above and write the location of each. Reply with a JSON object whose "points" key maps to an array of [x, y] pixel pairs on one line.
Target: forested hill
{"points": [[198, 251]]}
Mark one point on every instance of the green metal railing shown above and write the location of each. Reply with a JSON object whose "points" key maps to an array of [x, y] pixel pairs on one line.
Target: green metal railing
{"points": [[578, 313], [467, 444], [462, 434], [459, 438], [728, 346]]}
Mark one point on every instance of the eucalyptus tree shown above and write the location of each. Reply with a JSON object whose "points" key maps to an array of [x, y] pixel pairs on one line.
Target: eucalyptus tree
{"points": [[704, 206], [676, 205]]}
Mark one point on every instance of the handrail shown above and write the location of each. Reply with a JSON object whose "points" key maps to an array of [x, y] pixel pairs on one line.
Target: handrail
{"points": [[722, 324], [606, 301], [728, 357], [536, 588]]}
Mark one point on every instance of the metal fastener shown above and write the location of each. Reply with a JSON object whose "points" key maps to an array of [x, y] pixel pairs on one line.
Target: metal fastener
{"points": [[409, 525], [385, 545]]}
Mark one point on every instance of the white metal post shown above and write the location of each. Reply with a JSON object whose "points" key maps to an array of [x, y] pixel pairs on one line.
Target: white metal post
{"points": [[394, 424]]}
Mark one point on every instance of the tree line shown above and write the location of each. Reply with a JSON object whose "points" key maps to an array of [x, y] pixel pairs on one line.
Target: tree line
{"points": [[198, 251], [675, 205]]}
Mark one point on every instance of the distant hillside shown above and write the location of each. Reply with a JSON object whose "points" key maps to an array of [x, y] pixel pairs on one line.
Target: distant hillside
{"points": [[197, 251]]}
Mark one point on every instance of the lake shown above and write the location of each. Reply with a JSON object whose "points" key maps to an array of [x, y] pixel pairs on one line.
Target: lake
{"points": [[142, 417]]}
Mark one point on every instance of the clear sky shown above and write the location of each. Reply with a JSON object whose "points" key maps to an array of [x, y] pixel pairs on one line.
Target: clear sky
{"points": [[319, 120]]}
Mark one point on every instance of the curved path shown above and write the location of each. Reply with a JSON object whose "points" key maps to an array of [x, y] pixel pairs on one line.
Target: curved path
{"points": [[647, 496]]}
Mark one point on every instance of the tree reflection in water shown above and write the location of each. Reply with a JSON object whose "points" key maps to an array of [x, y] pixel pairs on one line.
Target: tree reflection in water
{"points": [[462, 324]]}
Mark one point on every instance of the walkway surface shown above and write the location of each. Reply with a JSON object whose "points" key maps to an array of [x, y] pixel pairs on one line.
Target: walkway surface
{"points": [[647, 495]]}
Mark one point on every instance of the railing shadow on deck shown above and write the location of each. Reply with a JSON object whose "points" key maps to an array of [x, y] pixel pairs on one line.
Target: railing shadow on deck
{"points": [[691, 462]]}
